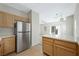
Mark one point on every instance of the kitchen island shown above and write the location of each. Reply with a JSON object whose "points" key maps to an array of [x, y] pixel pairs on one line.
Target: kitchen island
{"points": [[56, 45]]}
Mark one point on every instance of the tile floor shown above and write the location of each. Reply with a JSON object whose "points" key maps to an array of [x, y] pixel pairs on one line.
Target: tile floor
{"points": [[33, 51]]}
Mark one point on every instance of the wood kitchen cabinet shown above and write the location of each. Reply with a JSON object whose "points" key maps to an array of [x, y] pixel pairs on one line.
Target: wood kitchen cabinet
{"points": [[63, 51], [12, 44], [6, 20], [57, 47], [20, 18], [64, 48], [48, 46], [17, 18], [9, 45], [1, 19], [48, 49], [78, 49], [1, 47], [6, 46]]}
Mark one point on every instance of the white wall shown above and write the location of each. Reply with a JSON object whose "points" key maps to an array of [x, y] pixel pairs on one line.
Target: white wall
{"points": [[70, 25], [11, 10], [60, 26], [6, 31], [65, 27], [34, 17], [42, 30], [76, 17], [35, 28]]}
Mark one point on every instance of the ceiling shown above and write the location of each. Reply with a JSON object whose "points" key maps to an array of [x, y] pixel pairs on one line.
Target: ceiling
{"points": [[49, 12]]}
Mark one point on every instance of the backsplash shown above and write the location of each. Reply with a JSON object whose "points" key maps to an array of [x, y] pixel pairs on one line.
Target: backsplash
{"points": [[6, 31]]}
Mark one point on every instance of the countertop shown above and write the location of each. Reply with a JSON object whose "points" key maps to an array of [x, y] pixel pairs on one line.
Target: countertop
{"points": [[5, 36], [61, 37]]}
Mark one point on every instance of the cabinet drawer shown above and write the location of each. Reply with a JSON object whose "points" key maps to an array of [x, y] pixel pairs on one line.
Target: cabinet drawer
{"points": [[48, 49], [47, 39], [62, 51], [47, 43], [67, 44]]}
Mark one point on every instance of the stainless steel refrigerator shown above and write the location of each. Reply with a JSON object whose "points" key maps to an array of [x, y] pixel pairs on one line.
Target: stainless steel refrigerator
{"points": [[23, 36]]}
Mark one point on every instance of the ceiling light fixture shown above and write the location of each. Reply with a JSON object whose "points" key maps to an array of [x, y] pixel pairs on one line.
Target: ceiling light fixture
{"points": [[60, 17]]}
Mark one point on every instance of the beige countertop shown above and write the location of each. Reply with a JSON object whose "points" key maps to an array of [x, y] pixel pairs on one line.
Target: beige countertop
{"points": [[61, 37], [5, 36]]}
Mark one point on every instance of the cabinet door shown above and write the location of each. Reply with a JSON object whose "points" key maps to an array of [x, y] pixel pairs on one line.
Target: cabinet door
{"points": [[78, 50], [9, 45], [12, 44], [6, 46], [62, 51], [20, 18], [48, 46], [48, 49], [16, 18], [8, 20], [1, 48], [1, 19]]}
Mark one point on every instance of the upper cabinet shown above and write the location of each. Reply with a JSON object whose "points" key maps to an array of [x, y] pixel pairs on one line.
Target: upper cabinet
{"points": [[20, 18], [8, 20], [1, 19]]}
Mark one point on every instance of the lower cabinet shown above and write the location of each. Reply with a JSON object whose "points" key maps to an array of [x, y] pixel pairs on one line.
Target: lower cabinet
{"points": [[78, 50], [48, 49], [1, 48], [12, 44], [63, 51], [6, 46], [9, 45], [48, 46], [56, 47]]}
